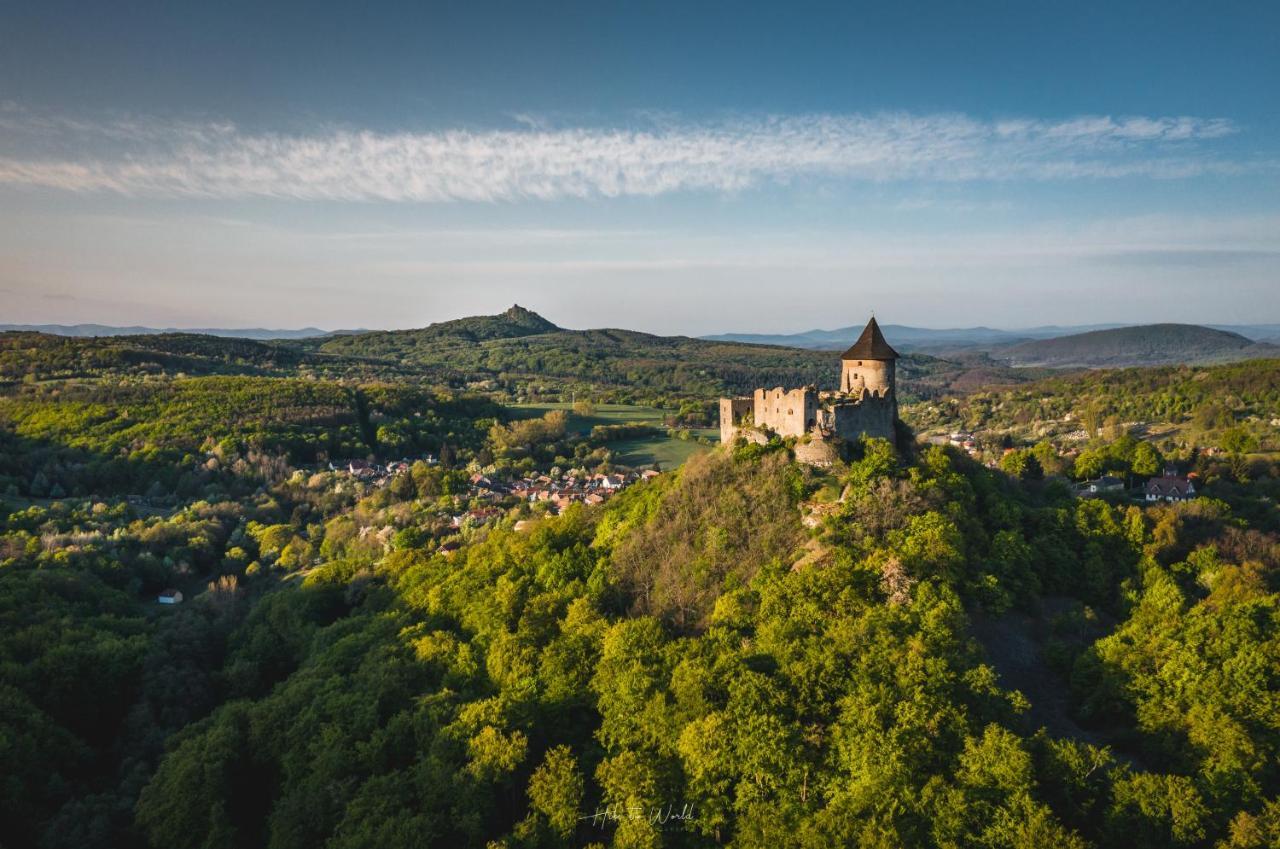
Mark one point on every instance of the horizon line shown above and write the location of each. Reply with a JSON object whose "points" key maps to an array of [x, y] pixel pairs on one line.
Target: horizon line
{"points": [[208, 330]]}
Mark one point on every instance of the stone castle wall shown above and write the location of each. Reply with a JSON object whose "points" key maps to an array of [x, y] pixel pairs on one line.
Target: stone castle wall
{"points": [[791, 413], [732, 411], [796, 412], [873, 415]]}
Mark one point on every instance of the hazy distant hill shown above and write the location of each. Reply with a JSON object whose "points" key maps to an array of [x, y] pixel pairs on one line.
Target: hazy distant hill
{"points": [[907, 338], [1256, 332], [512, 324], [521, 322], [1152, 344], [259, 333]]}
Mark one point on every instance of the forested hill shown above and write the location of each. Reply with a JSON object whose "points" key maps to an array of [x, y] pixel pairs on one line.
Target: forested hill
{"points": [[519, 352], [513, 351], [514, 323], [36, 357], [515, 355], [1152, 344], [689, 648]]}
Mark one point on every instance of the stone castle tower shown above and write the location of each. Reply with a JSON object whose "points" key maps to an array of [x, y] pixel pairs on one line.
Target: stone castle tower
{"points": [[870, 365], [866, 404]]}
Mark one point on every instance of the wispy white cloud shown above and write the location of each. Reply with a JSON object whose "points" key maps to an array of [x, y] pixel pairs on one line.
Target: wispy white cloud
{"points": [[535, 161]]}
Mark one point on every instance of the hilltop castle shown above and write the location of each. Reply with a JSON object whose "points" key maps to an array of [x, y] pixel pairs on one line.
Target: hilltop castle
{"points": [[865, 404]]}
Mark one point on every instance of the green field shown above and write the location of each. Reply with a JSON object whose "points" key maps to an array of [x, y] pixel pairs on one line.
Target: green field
{"points": [[663, 450], [666, 452]]}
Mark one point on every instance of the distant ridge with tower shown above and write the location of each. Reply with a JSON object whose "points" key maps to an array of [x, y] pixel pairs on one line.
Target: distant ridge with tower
{"points": [[866, 404]]}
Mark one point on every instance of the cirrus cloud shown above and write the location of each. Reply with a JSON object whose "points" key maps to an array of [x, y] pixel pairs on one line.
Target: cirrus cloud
{"points": [[148, 158]]}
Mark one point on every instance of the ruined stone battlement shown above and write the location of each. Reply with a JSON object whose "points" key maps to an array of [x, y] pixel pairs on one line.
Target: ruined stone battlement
{"points": [[786, 411], [865, 405]]}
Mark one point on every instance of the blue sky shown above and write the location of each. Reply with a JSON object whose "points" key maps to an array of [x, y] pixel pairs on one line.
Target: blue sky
{"points": [[678, 168]]}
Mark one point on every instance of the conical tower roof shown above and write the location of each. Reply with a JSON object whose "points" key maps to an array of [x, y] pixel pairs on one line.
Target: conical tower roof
{"points": [[870, 345]]}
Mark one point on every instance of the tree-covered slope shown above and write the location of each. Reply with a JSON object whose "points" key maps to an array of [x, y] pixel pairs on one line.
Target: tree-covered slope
{"points": [[41, 356], [172, 436], [1193, 405], [37, 357], [687, 666]]}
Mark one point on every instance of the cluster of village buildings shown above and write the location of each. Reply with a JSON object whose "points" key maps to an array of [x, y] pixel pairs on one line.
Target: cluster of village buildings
{"points": [[1169, 486], [494, 496], [557, 491], [371, 472]]}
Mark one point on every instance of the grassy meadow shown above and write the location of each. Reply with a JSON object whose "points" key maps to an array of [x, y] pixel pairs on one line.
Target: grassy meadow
{"points": [[661, 449]]}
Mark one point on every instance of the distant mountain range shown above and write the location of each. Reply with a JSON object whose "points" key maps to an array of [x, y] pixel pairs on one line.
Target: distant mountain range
{"points": [[520, 339], [904, 337], [518, 321], [259, 333]]}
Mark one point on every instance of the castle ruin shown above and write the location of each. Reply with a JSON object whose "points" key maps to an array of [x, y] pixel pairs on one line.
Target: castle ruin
{"points": [[866, 404]]}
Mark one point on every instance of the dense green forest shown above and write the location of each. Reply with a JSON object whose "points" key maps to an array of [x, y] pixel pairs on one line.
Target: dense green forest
{"points": [[690, 644], [906, 649]]}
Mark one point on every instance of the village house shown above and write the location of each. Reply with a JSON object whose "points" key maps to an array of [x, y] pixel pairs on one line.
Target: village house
{"points": [[1098, 486], [476, 517], [169, 596], [1170, 487]]}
